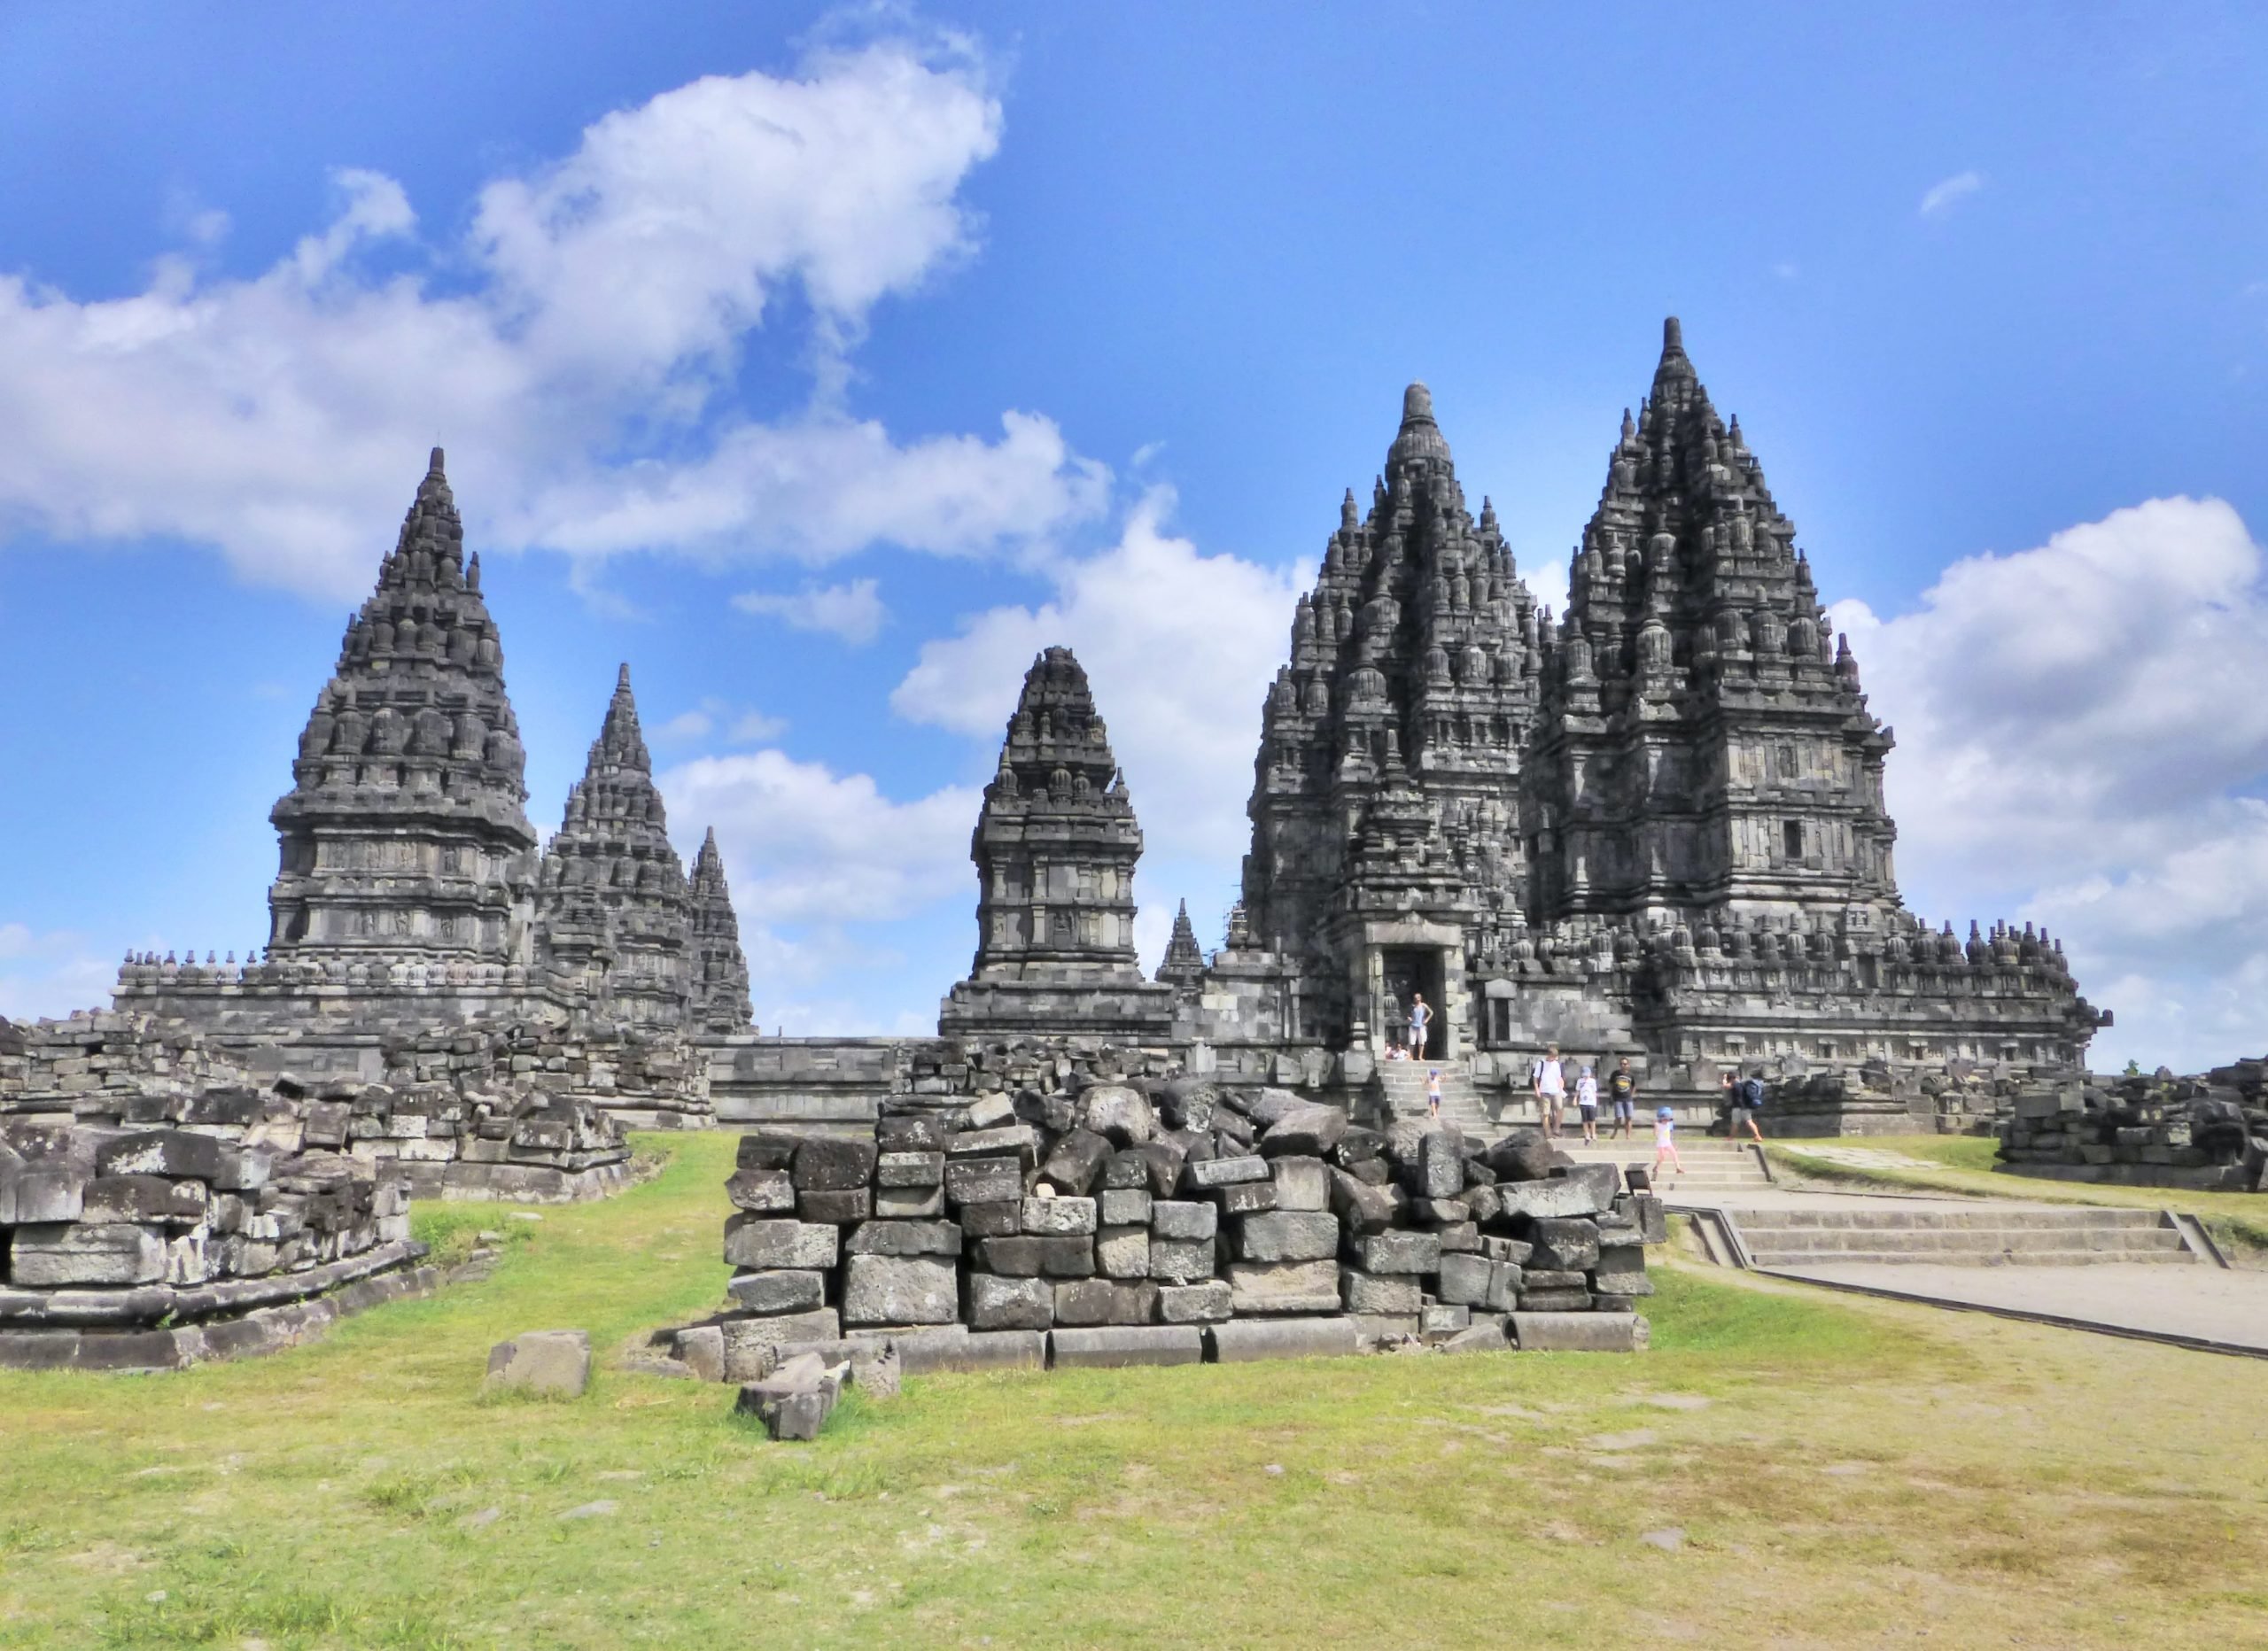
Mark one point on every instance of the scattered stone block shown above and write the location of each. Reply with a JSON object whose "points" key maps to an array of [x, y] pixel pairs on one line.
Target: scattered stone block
{"points": [[701, 1349], [1580, 1332], [554, 1363], [752, 1345], [1244, 1340], [1265, 1287], [1302, 1184], [1121, 1347]]}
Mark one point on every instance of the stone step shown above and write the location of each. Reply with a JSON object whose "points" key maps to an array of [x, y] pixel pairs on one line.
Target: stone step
{"points": [[2016, 1240], [1983, 1218], [1778, 1259]]}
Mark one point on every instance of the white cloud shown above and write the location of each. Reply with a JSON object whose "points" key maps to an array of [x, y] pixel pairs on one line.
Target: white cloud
{"points": [[1180, 648], [803, 843], [684, 727], [2082, 729], [853, 612], [575, 362], [51, 974], [753, 727], [1943, 194]]}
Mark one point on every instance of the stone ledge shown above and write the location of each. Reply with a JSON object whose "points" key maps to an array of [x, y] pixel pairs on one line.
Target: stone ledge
{"points": [[149, 1305]]}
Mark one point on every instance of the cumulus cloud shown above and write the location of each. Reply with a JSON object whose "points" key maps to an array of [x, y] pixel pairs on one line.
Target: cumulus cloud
{"points": [[1945, 192], [853, 612], [2083, 732], [575, 362], [1180, 647], [803, 843]]}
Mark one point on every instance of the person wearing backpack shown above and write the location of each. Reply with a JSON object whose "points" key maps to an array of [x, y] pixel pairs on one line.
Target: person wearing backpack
{"points": [[1744, 1099]]}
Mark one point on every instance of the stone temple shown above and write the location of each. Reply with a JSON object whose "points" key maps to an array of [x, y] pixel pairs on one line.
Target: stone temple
{"points": [[1652, 825]]}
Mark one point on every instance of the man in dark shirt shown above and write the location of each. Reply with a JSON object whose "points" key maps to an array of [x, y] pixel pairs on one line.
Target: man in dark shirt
{"points": [[1622, 1091]]}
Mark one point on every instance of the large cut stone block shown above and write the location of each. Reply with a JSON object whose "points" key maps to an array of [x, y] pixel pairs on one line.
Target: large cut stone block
{"points": [[909, 1203], [1101, 1301], [751, 1345], [906, 1238], [761, 1191], [1206, 1174], [1076, 1163], [1190, 1219], [983, 1180], [1010, 1304], [33, 1194], [1440, 1163], [1360, 1206], [752, 1241], [1287, 1235], [1399, 1252], [1124, 1206], [1564, 1244], [175, 1152], [1244, 1197], [1284, 1286], [151, 1199], [1052, 1218], [1464, 1279], [900, 1290], [1308, 1130], [1373, 1293], [779, 1292], [831, 1164], [912, 1132], [767, 1150], [64, 1255], [1122, 1346], [1195, 1303], [554, 1362], [1183, 1261], [1546, 1199], [998, 1219], [1019, 1141], [1121, 1115], [910, 1169], [838, 1206], [1249, 1340], [1027, 1257], [1123, 1251], [1301, 1183]]}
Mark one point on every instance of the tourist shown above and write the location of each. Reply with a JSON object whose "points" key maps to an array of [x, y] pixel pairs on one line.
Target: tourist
{"points": [[1622, 1092], [1666, 1142], [1433, 1094], [1744, 1099], [1420, 1017], [1550, 1081], [1587, 1104], [1392, 1019]]}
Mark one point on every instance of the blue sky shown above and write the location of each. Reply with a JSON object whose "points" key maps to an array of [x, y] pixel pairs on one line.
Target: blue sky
{"points": [[825, 389]]}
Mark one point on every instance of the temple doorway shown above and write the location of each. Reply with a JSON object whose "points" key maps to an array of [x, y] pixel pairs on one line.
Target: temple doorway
{"points": [[1409, 971]]}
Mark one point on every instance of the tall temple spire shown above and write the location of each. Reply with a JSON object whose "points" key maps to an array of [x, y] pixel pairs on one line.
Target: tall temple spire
{"points": [[1183, 964], [720, 986], [612, 911], [404, 838]]}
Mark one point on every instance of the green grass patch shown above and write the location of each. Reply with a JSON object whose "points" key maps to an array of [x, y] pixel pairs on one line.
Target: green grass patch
{"points": [[1843, 1470]]}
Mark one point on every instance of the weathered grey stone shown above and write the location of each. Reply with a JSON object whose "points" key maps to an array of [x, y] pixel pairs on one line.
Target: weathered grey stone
{"points": [[1244, 1197], [1059, 1217], [779, 1292], [900, 1290], [922, 1132], [1360, 1207], [1010, 1304], [1284, 1286], [1284, 1235], [836, 1207], [910, 1169], [1123, 1251], [983, 1180], [1026, 1257], [1020, 1142], [909, 1203], [1192, 1219], [701, 1349], [1195, 1304], [1554, 1301], [1306, 1130], [1548, 1199], [1076, 1163], [761, 1191], [1246, 1340], [178, 1153], [1371, 1293], [752, 1241], [991, 1112], [1444, 1319], [1564, 1244], [926, 1351], [37, 1194], [1440, 1163], [1301, 1183], [1398, 1253], [1083, 1301], [1580, 1332], [67, 1255], [905, 1238], [1222, 1172], [751, 1345], [555, 1363], [1482, 1337], [1123, 1206], [1465, 1278], [1119, 1346], [833, 1164], [1001, 1219], [1183, 1261], [1121, 1115]]}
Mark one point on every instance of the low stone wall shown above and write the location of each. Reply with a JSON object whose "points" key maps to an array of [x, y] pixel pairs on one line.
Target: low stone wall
{"points": [[1119, 1206], [2202, 1134], [453, 1143], [219, 1232]]}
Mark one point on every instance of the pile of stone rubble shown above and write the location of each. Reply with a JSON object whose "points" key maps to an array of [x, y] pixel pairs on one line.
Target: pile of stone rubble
{"points": [[2207, 1133], [1165, 1222]]}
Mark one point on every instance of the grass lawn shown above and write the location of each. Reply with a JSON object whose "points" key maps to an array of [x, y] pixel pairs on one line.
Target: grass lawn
{"points": [[1964, 1164], [1840, 1471]]}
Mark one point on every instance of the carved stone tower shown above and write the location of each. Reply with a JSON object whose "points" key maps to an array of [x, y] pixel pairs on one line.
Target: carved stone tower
{"points": [[1704, 742], [613, 916], [1183, 964], [1386, 842], [720, 1000], [404, 836], [1056, 848]]}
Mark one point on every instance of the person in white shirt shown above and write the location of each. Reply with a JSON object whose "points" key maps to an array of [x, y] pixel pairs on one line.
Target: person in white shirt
{"points": [[1420, 1017], [1550, 1091], [1666, 1143], [1587, 1104]]}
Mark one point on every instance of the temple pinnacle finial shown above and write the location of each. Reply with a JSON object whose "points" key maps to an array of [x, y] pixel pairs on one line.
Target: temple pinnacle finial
{"points": [[1416, 403], [1672, 336], [433, 464], [622, 677]]}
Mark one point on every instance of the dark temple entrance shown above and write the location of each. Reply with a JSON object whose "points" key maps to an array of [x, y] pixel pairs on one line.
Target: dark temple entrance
{"points": [[1409, 971]]}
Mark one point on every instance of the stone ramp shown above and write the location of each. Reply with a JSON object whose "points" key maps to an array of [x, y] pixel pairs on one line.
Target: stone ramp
{"points": [[1712, 1168], [1981, 1235], [1401, 1093]]}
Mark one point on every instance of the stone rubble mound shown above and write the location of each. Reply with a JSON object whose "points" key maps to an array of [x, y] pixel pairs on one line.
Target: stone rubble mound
{"points": [[2207, 1132]]}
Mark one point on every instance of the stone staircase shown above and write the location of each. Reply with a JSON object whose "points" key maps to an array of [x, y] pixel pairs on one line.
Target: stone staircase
{"points": [[1712, 1168], [1399, 1091], [1985, 1235]]}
